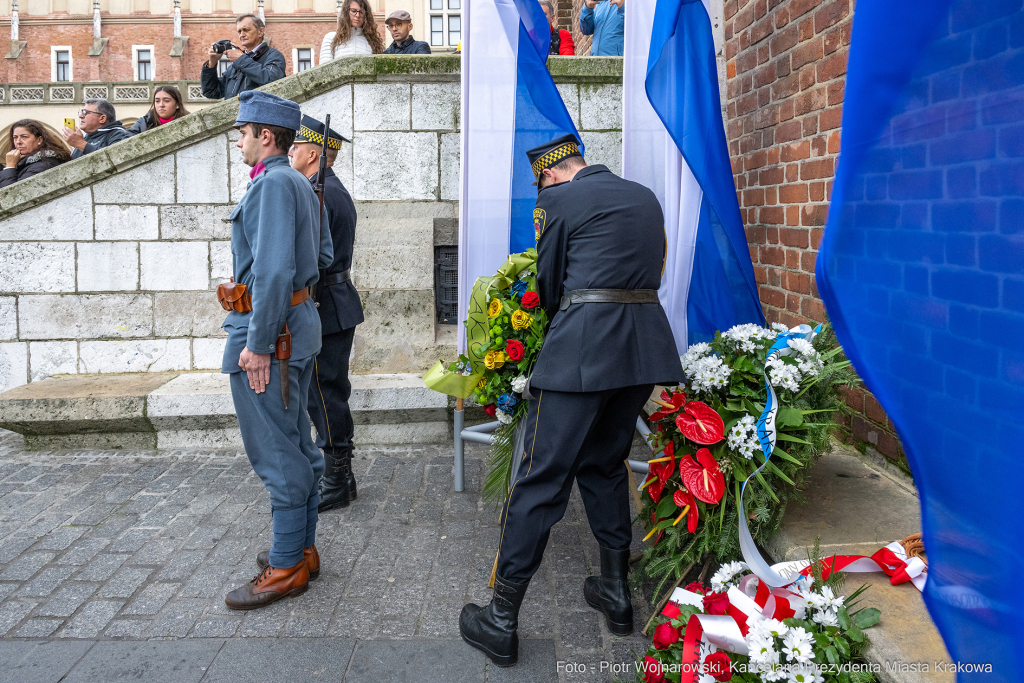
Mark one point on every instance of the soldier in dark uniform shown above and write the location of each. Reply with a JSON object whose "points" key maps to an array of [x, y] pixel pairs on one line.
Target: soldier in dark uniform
{"points": [[600, 255], [340, 311]]}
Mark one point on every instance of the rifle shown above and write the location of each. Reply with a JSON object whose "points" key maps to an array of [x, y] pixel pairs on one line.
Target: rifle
{"points": [[321, 174]]}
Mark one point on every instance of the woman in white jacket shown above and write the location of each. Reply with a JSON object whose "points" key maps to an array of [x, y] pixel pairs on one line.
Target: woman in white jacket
{"points": [[356, 34]]}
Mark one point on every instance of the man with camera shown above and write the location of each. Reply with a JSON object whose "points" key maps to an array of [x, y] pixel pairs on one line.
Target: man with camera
{"points": [[253, 62]]}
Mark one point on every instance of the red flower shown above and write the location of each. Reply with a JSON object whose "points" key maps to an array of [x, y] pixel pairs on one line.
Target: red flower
{"points": [[654, 525], [671, 610], [701, 424], [684, 500], [531, 300], [515, 350], [697, 587], [716, 603], [490, 408], [718, 665], [665, 635], [703, 478], [669, 405], [652, 671], [659, 473]]}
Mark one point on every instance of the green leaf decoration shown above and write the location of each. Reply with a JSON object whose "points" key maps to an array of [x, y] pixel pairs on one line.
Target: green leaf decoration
{"points": [[867, 617]]}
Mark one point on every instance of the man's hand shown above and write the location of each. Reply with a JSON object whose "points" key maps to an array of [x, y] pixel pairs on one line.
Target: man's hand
{"points": [[618, 3], [74, 137], [257, 367], [213, 57], [591, 3], [12, 158], [233, 54]]}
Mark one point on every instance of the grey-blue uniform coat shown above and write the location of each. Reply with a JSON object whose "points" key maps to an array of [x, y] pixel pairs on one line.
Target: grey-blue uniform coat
{"points": [[340, 311], [598, 365], [277, 247]]}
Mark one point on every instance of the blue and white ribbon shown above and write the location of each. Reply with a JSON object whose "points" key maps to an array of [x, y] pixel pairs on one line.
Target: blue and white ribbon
{"points": [[766, 434]]}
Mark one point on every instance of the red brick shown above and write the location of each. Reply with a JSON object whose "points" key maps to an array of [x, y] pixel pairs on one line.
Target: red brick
{"points": [[732, 47], [833, 40], [773, 153], [730, 70], [794, 237], [782, 66], [818, 168], [792, 215], [755, 234], [765, 75], [772, 297], [729, 9], [772, 256], [793, 303], [888, 445], [784, 40], [785, 87], [806, 29], [798, 7], [764, 97], [809, 101], [806, 53], [782, 17], [854, 397], [744, 18], [774, 277], [807, 261], [798, 282], [772, 234], [807, 77], [812, 308], [746, 104], [819, 145], [772, 176], [773, 215], [793, 194], [762, 29], [763, 53], [813, 214], [847, 33], [873, 409], [810, 125], [817, 192], [771, 195], [816, 234], [832, 118], [796, 151], [832, 66], [786, 112], [792, 173], [756, 160], [760, 8], [754, 197], [831, 14], [746, 62], [836, 92], [828, 191], [760, 274], [790, 130], [792, 260]]}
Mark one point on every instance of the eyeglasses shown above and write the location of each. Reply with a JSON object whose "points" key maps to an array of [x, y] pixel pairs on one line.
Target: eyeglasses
{"points": [[83, 112], [356, 12]]}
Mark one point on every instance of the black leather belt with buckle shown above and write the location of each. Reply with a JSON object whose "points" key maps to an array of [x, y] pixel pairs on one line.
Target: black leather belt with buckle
{"points": [[608, 296]]}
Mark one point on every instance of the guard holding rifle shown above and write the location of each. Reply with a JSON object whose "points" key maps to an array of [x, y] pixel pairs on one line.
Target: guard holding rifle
{"points": [[340, 311], [600, 253], [278, 246]]}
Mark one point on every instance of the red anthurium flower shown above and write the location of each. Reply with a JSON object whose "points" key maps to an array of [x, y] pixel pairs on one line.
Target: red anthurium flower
{"points": [[489, 409], [700, 423], [660, 471], [654, 525], [703, 478], [654, 486], [716, 603], [689, 509], [669, 405], [719, 666]]}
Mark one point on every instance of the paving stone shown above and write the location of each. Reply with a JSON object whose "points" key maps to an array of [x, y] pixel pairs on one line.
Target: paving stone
{"points": [[125, 582], [12, 612], [422, 661], [38, 628], [82, 551], [67, 600], [537, 664], [60, 539], [39, 662], [152, 661], [92, 619], [25, 566], [177, 619], [47, 581], [152, 598], [215, 628]]}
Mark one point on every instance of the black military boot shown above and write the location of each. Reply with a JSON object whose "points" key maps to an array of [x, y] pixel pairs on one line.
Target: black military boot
{"points": [[334, 487], [492, 629], [609, 593], [351, 477]]}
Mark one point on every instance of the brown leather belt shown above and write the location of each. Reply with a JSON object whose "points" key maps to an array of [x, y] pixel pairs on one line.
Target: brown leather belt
{"points": [[300, 296], [608, 296]]}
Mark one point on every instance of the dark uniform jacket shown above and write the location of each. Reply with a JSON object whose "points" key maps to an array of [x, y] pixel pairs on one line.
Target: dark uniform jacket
{"points": [[31, 165], [409, 47], [340, 307], [601, 232], [248, 72], [104, 137]]}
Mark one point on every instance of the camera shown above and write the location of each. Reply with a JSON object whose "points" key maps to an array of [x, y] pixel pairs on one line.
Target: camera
{"points": [[221, 46]]}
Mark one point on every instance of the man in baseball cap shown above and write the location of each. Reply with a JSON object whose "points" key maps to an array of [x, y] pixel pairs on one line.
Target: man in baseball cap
{"points": [[399, 23]]}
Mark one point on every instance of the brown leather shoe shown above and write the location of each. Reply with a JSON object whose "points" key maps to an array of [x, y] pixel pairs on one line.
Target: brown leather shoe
{"points": [[272, 584], [310, 555]]}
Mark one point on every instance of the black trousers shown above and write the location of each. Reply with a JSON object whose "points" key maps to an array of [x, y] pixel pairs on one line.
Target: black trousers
{"points": [[584, 437], [329, 393]]}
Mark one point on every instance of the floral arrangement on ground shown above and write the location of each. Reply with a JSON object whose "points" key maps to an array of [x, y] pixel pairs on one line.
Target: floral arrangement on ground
{"points": [[813, 634], [705, 443]]}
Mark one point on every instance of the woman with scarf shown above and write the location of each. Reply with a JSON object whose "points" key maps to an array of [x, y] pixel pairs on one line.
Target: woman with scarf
{"points": [[167, 106], [33, 150]]}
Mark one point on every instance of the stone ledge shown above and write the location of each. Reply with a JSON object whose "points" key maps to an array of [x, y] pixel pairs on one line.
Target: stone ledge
{"points": [[194, 409]]}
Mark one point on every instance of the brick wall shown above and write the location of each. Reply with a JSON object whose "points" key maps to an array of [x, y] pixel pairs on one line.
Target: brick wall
{"points": [[786, 73]]}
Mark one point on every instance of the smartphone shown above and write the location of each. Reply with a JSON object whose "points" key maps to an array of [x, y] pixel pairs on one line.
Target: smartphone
{"points": [[69, 123]]}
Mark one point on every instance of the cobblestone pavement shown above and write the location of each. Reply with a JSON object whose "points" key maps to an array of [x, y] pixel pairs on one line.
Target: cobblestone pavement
{"points": [[102, 549]]}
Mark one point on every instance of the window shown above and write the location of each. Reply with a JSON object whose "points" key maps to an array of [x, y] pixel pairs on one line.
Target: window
{"points": [[61, 64], [445, 22], [302, 58], [144, 66]]}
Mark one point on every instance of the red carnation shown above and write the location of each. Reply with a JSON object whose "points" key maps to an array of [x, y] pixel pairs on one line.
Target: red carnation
{"points": [[652, 670], [716, 603], [531, 300], [665, 635], [718, 665], [490, 408], [697, 587], [515, 350]]}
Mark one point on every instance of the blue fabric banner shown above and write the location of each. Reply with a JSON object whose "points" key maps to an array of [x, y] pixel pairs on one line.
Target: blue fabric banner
{"points": [[922, 272], [682, 86]]}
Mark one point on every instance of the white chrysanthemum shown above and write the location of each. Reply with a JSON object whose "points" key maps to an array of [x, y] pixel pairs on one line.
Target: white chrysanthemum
{"points": [[825, 617], [829, 600], [809, 360], [744, 337], [707, 374], [742, 437], [725, 577], [769, 628], [804, 674], [503, 417], [798, 645], [519, 384], [762, 652], [779, 327], [693, 354], [783, 375]]}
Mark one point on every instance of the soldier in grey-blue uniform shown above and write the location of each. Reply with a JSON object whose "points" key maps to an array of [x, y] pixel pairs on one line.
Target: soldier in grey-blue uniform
{"points": [[600, 255], [279, 240]]}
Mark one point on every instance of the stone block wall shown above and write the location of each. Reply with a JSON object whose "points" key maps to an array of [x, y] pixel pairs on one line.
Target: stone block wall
{"points": [[109, 263], [786, 75]]}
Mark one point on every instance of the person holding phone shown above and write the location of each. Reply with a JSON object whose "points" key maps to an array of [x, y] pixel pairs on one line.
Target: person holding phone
{"points": [[33, 150], [98, 127], [606, 21]]}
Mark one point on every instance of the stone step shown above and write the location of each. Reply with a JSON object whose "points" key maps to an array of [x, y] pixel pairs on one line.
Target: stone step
{"points": [[194, 410], [855, 507]]}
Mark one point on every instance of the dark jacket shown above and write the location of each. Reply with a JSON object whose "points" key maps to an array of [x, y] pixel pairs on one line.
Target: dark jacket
{"points": [[340, 307], [144, 123], [601, 232], [409, 47], [253, 69], [31, 165], [104, 137]]}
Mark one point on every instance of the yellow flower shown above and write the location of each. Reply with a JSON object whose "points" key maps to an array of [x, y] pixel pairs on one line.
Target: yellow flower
{"points": [[521, 320], [494, 359], [494, 310], [482, 383]]}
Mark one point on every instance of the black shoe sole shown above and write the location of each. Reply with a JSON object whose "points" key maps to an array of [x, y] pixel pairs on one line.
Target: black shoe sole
{"points": [[498, 660], [293, 593], [618, 629], [324, 507]]}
